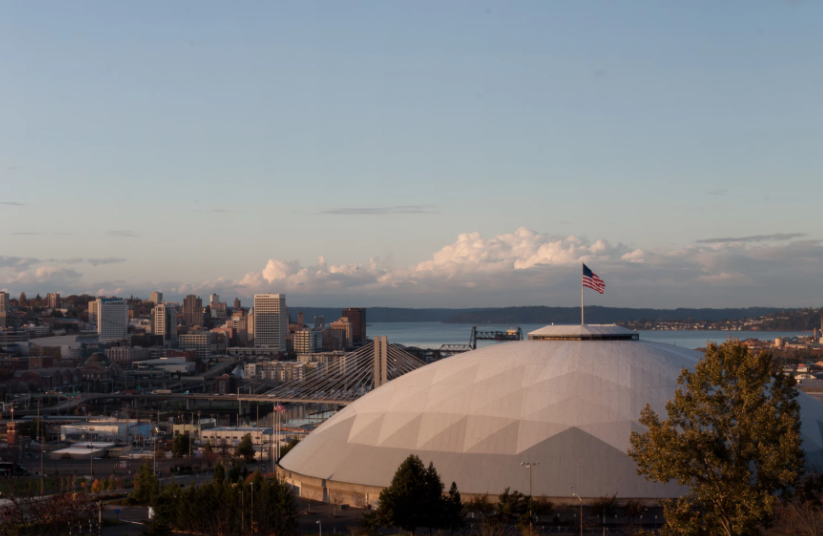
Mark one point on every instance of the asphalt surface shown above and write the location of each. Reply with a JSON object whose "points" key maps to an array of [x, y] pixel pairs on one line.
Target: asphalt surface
{"points": [[133, 518], [104, 467]]}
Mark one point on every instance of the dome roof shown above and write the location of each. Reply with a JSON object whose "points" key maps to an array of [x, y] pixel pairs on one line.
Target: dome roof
{"points": [[568, 404]]}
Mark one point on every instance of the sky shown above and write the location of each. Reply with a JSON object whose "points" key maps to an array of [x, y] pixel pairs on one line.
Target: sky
{"points": [[414, 153]]}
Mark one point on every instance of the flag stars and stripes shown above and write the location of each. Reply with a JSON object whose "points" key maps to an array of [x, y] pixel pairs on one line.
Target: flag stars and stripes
{"points": [[590, 280]]}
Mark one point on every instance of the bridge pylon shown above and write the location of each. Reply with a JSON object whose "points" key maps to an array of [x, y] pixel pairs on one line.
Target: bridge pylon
{"points": [[381, 356]]}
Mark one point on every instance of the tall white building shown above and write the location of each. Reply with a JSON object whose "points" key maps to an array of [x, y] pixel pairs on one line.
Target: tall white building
{"points": [[156, 297], [112, 319], [271, 321], [164, 323]]}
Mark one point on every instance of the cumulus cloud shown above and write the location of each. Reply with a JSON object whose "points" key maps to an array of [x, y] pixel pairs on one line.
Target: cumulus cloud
{"points": [[103, 292], [52, 275], [17, 262], [525, 264], [375, 211], [523, 267], [754, 238]]}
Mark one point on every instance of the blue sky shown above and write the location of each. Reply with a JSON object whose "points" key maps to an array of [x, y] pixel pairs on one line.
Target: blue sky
{"points": [[193, 145]]}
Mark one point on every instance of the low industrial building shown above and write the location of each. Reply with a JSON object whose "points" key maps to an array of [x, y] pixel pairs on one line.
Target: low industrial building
{"points": [[226, 438], [108, 430], [83, 451], [167, 364]]}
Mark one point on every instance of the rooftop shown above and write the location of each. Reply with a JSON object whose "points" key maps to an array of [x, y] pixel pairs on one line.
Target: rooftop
{"points": [[584, 332]]}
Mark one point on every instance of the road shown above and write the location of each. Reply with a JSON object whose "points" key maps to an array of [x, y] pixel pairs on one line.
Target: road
{"points": [[132, 518], [107, 466]]}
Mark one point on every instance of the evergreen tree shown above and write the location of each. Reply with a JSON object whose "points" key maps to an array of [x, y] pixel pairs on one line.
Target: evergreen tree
{"points": [[146, 485], [180, 445], [245, 448], [219, 472], [453, 517], [287, 448], [415, 499], [732, 436], [22, 301]]}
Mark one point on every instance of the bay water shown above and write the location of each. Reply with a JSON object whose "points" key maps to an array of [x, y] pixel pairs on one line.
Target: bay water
{"points": [[435, 334]]}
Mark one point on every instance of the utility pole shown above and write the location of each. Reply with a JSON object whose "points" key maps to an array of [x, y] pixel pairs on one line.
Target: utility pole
{"points": [[40, 439]]}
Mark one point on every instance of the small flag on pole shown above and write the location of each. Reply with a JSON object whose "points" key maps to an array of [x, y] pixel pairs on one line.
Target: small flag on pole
{"points": [[590, 280]]}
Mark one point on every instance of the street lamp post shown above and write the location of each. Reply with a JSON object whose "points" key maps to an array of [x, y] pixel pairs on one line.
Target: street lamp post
{"points": [[91, 455], [531, 500], [321, 527], [581, 512]]}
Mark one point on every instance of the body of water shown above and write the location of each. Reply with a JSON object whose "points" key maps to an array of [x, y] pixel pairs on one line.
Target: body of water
{"points": [[434, 334]]}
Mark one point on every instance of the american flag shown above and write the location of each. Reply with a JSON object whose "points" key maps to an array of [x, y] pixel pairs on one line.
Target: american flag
{"points": [[280, 408], [591, 280]]}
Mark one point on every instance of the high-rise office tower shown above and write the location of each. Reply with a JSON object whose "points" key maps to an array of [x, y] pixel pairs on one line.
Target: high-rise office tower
{"points": [[300, 320], [319, 322], [4, 309], [215, 298], [237, 303], [357, 317], [192, 311], [93, 312], [164, 323], [271, 321], [156, 297], [53, 300], [112, 319], [343, 324]]}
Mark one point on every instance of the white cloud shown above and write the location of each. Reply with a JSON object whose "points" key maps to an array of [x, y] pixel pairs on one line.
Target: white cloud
{"points": [[41, 275], [518, 268], [103, 292]]}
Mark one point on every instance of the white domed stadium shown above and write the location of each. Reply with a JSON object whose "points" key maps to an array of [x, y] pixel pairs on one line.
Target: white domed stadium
{"points": [[568, 399]]}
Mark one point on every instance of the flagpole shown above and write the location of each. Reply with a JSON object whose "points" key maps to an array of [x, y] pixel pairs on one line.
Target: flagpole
{"points": [[582, 318]]}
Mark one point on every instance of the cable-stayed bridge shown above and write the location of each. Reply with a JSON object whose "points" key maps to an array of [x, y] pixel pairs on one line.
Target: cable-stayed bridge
{"points": [[345, 378], [339, 380]]}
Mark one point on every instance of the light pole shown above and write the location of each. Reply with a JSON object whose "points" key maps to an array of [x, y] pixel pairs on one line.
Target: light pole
{"points": [[581, 512], [531, 500], [530, 465], [321, 527], [91, 455]]}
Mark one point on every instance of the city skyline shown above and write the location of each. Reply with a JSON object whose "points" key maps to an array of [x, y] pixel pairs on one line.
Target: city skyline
{"points": [[414, 154]]}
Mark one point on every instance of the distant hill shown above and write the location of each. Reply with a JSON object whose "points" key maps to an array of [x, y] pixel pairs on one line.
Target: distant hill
{"points": [[533, 315], [599, 315], [381, 314]]}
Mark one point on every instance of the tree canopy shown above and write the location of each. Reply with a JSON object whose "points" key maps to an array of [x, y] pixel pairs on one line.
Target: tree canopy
{"points": [[180, 445], [245, 448], [732, 436], [415, 499]]}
